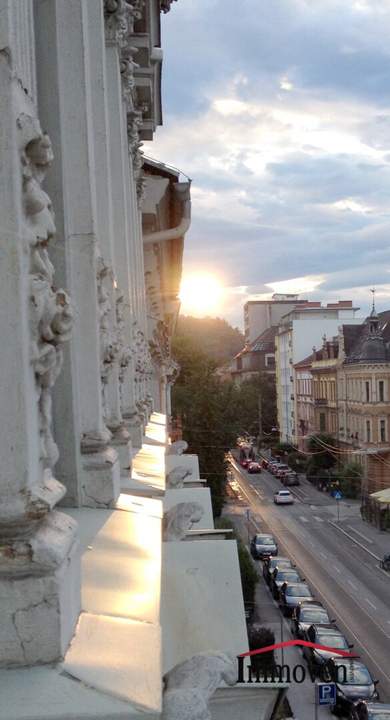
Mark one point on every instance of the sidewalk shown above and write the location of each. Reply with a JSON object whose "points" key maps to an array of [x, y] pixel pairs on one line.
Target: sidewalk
{"points": [[267, 613]]}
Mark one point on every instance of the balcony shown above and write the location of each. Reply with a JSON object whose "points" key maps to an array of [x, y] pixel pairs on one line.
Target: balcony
{"points": [[320, 402]]}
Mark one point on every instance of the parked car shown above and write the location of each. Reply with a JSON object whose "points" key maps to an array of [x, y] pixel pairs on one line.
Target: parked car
{"points": [[370, 711], [270, 564], [353, 683], [291, 594], [281, 575], [245, 462], [254, 467], [263, 545], [283, 497], [290, 478], [308, 613], [281, 470], [328, 635]]}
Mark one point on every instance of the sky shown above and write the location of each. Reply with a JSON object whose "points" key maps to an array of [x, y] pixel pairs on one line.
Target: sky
{"points": [[279, 112]]}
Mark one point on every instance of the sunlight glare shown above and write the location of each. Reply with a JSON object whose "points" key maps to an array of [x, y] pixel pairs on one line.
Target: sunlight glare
{"points": [[200, 294]]}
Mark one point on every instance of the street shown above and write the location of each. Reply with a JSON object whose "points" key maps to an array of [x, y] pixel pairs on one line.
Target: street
{"points": [[341, 573]]}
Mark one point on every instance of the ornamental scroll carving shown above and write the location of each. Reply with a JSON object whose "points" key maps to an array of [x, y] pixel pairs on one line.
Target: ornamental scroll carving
{"points": [[160, 344], [51, 316], [177, 476], [108, 340], [179, 519], [190, 685], [124, 352]]}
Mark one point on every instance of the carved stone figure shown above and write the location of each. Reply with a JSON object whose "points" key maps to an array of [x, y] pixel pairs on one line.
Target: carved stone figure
{"points": [[108, 339], [177, 448], [190, 685], [179, 519], [175, 478], [51, 315]]}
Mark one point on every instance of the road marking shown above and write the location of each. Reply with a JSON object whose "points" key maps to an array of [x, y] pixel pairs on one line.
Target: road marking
{"points": [[324, 555], [354, 540], [337, 613], [352, 584], [361, 534], [337, 569], [371, 603], [257, 493], [302, 517], [317, 518]]}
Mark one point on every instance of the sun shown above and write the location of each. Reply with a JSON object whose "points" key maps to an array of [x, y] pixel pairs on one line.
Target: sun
{"points": [[200, 294]]}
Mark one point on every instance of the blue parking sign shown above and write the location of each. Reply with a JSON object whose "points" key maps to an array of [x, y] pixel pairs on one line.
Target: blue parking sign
{"points": [[326, 693]]}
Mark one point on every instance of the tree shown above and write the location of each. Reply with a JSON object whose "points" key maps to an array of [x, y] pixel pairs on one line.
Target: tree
{"points": [[324, 457], [349, 478], [205, 406], [219, 340]]}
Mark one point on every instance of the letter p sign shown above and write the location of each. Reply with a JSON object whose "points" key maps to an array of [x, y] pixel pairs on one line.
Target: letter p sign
{"points": [[325, 693]]}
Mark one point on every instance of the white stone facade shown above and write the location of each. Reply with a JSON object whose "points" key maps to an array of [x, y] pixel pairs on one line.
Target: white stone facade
{"points": [[91, 246]]}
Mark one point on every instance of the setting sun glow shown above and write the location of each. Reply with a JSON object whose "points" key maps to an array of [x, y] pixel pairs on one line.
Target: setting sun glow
{"points": [[200, 294]]}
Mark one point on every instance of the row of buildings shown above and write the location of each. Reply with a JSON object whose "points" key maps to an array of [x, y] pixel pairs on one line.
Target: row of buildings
{"points": [[332, 375], [119, 599]]}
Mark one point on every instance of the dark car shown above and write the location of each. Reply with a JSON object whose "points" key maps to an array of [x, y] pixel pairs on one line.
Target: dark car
{"points": [[291, 594], [290, 479], [254, 467], [306, 614], [353, 683], [271, 563], [281, 575], [327, 635], [370, 711], [263, 546]]}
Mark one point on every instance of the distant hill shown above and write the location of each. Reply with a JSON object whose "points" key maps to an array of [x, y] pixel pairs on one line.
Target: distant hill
{"points": [[213, 336]]}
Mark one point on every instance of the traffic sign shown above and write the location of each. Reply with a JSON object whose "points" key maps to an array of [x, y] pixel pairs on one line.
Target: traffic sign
{"points": [[338, 495], [325, 693]]}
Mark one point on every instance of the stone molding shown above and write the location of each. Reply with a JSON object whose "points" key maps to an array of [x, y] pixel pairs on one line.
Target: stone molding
{"points": [[190, 685], [179, 519]]}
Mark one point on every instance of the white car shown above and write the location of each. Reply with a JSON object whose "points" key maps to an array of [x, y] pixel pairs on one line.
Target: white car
{"points": [[283, 497]]}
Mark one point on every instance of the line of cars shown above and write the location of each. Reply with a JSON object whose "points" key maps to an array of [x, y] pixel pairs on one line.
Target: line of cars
{"points": [[282, 471], [356, 691]]}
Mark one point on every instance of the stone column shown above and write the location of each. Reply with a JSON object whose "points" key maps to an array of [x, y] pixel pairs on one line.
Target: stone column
{"points": [[64, 80], [39, 566], [112, 330], [119, 17]]}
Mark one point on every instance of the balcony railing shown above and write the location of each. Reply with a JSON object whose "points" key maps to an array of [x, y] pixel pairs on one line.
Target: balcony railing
{"points": [[320, 401]]}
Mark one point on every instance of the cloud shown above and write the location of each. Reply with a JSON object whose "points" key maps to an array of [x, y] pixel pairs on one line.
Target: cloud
{"points": [[281, 115]]}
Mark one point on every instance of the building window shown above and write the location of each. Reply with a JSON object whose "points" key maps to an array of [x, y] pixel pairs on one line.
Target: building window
{"points": [[322, 422], [367, 391], [382, 430], [381, 391], [368, 431]]}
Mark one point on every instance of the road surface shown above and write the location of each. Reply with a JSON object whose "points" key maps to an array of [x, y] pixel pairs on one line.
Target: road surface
{"points": [[343, 576]]}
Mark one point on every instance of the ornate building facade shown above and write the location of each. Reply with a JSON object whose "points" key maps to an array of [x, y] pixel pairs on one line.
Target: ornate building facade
{"points": [[105, 612]]}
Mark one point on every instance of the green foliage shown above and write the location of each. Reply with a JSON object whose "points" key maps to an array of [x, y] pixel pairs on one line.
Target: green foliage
{"points": [[322, 459], [219, 340], [249, 576], [260, 637], [214, 413], [296, 461], [349, 478], [282, 448]]}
